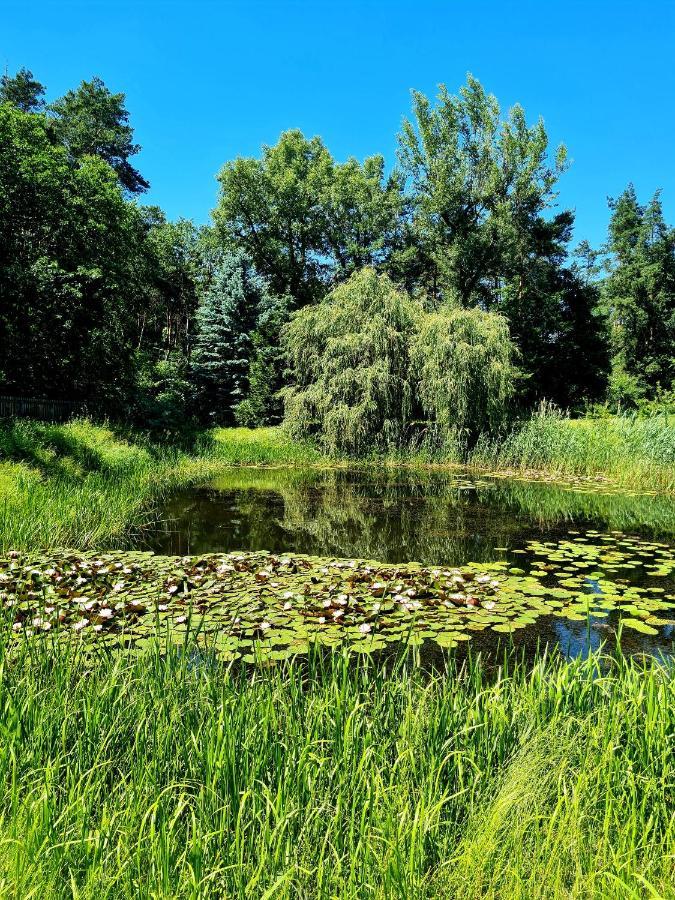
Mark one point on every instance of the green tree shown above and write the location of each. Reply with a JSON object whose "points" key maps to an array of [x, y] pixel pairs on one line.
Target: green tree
{"points": [[92, 121], [371, 370], [639, 295], [481, 188], [69, 300], [352, 384], [467, 377], [305, 220], [22, 91], [223, 343], [263, 404]]}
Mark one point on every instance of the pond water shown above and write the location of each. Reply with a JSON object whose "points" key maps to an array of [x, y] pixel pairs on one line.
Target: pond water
{"points": [[616, 550]]}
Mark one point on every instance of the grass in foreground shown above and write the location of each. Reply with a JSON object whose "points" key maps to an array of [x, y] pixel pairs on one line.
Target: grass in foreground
{"points": [[634, 452], [169, 777]]}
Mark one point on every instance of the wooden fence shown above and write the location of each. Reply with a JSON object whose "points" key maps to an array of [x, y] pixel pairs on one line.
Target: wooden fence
{"points": [[41, 408]]}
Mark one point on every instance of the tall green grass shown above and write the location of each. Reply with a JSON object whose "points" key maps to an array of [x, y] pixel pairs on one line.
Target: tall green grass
{"points": [[260, 446], [82, 484], [89, 486], [165, 776], [633, 451]]}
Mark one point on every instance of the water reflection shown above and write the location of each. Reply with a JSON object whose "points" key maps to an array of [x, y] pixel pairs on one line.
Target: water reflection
{"points": [[434, 517]]}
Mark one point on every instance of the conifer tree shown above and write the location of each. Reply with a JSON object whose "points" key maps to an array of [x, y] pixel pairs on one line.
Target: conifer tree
{"points": [[223, 344]]}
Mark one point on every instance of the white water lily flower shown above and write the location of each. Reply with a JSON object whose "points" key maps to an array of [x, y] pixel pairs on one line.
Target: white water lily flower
{"points": [[119, 586], [106, 613], [80, 624], [265, 625], [365, 628]]}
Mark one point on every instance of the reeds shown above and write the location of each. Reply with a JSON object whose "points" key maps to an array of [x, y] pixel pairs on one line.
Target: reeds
{"points": [[167, 776], [632, 451]]}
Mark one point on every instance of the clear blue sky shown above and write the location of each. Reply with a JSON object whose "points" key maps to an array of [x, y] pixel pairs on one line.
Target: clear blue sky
{"points": [[207, 81]]}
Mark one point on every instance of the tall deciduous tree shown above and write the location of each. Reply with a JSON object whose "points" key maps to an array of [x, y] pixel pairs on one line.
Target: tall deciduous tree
{"points": [[92, 121], [69, 299], [481, 187], [640, 293], [304, 219]]}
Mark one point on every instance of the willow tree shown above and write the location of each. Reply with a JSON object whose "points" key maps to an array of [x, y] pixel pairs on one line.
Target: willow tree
{"points": [[466, 376], [349, 356], [373, 371]]}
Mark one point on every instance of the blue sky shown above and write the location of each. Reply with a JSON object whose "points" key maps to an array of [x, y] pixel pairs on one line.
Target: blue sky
{"points": [[207, 81]]}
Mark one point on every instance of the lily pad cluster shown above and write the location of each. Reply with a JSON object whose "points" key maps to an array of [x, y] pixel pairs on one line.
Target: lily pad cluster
{"points": [[261, 606]]}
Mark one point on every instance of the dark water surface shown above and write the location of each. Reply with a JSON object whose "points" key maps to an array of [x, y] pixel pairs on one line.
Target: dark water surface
{"points": [[435, 518]]}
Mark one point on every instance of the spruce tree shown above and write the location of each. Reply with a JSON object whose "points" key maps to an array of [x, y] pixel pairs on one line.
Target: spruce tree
{"points": [[223, 344]]}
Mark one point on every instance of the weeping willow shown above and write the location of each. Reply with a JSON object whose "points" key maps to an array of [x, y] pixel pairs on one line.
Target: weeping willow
{"points": [[372, 371], [466, 376], [350, 358]]}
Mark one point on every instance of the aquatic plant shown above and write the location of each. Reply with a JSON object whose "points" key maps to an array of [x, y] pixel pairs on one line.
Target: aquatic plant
{"points": [[260, 607], [632, 451]]}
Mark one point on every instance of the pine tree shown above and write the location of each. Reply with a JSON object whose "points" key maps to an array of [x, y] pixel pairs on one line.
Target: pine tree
{"points": [[223, 345]]}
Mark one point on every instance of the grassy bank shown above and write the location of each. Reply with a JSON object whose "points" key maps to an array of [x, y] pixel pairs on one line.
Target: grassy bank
{"points": [[90, 486], [634, 452], [161, 777]]}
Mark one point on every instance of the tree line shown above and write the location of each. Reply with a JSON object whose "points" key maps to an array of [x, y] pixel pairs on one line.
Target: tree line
{"points": [[365, 305]]}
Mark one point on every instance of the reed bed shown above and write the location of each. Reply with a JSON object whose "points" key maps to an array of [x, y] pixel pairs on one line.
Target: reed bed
{"points": [[632, 451], [168, 776]]}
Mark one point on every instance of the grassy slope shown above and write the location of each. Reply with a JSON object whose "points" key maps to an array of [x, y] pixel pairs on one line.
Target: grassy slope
{"points": [[159, 778], [84, 485]]}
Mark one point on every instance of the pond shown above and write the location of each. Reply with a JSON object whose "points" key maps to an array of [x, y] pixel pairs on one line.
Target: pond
{"points": [[610, 555]]}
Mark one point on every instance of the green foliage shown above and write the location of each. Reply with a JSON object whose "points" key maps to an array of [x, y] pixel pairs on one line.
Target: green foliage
{"points": [[70, 300], [223, 345], [640, 297], [22, 91], [368, 362], [480, 189], [353, 388], [165, 393], [464, 358], [263, 404], [92, 121], [303, 218]]}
